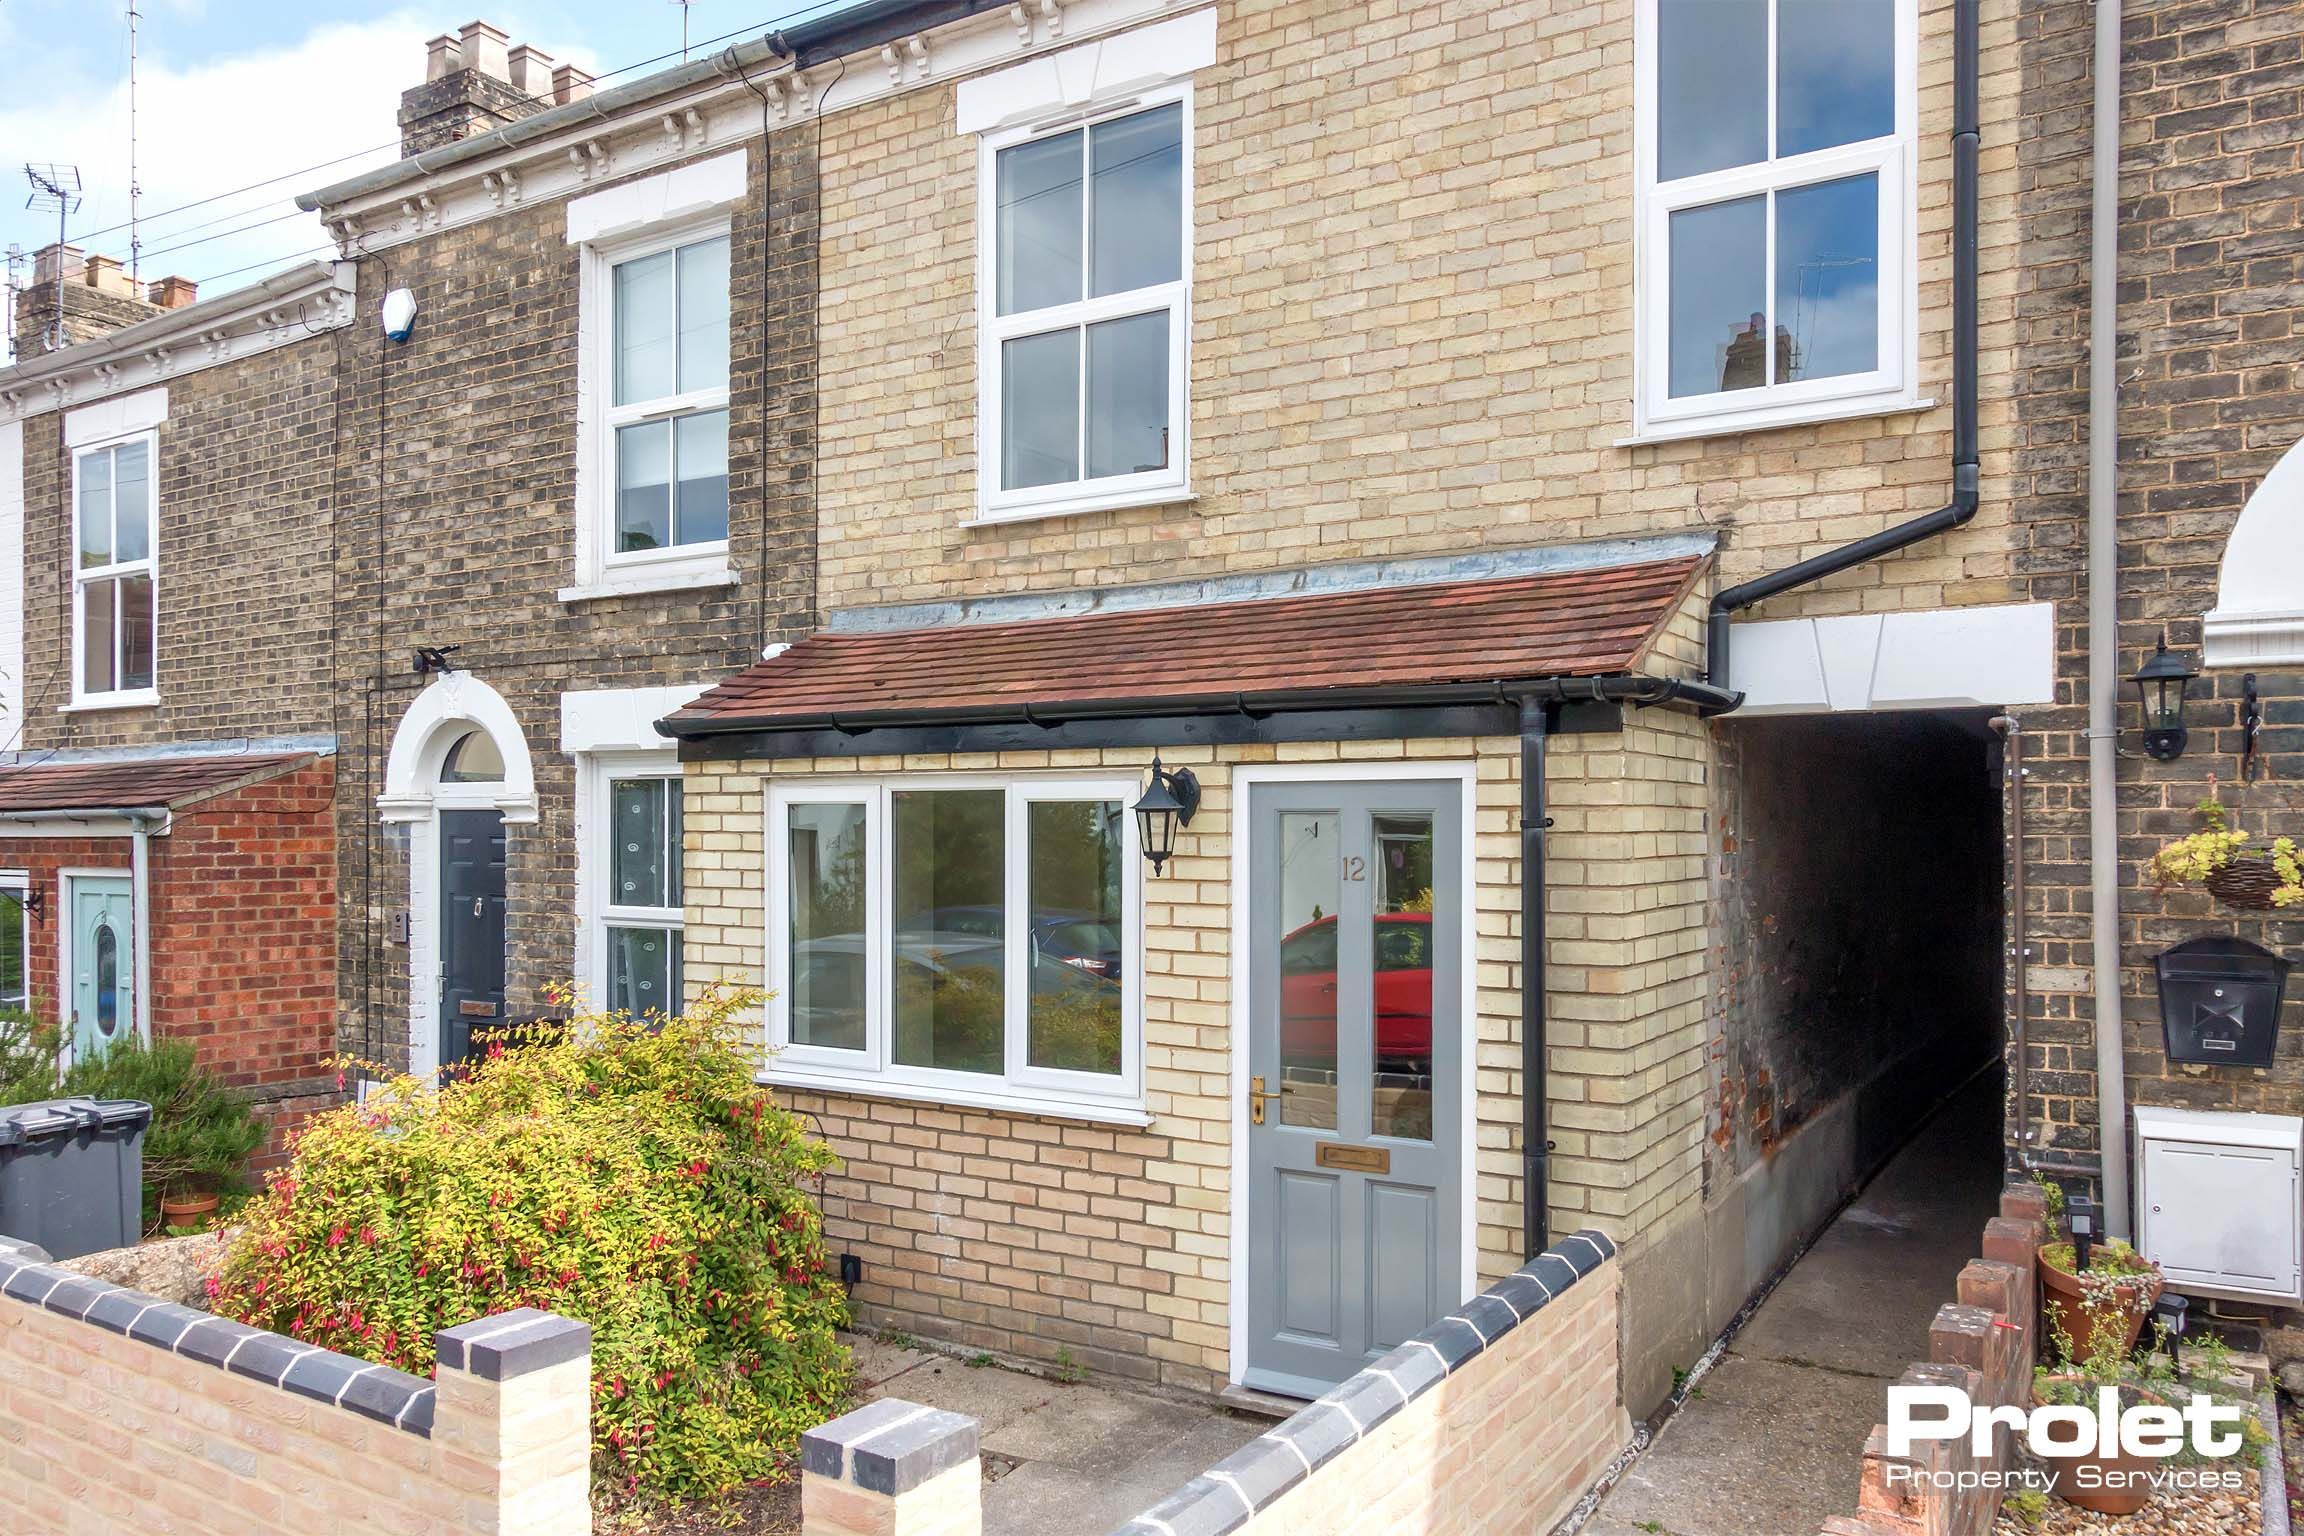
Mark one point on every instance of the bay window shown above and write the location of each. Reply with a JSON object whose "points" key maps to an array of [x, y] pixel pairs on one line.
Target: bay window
{"points": [[1775, 170], [1084, 321], [114, 610], [964, 939]]}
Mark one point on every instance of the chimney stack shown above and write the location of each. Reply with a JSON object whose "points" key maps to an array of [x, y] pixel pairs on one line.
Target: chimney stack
{"points": [[98, 296], [474, 82], [173, 293], [569, 84]]}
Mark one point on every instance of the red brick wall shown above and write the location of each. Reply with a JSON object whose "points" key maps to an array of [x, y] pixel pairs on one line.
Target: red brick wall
{"points": [[243, 936]]}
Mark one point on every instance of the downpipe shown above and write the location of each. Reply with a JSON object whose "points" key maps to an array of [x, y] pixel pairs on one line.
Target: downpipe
{"points": [[1966, 476], [1535, 1110]]}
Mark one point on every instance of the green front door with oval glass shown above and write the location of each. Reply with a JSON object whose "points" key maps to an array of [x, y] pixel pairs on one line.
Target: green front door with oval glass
{"points": [[103, 966]]}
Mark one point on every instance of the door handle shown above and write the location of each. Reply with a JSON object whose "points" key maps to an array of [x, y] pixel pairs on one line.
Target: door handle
{"points": [[1256, 1098]]}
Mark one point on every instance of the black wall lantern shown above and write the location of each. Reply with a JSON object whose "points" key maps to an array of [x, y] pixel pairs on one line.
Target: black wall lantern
{"points": [[2160, 684], [2220, 1001], [1169, 801]]}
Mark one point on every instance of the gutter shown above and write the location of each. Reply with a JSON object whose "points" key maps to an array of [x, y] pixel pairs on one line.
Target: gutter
{"points": [[2104, 618], [1620, 688], [1966, 476]]}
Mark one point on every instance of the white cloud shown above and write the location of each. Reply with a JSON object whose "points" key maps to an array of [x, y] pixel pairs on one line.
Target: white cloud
{"points": [[222, 124]]}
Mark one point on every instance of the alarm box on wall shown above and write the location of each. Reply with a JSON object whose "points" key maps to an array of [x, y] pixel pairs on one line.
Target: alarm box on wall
{"points": [[2220, 1002]]}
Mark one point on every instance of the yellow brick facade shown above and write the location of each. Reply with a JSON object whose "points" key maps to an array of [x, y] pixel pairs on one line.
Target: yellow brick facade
{"points": [[1412, 327]]}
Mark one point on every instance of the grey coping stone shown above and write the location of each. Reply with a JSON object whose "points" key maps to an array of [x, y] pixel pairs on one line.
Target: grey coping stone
{"points": [[1490, 1316], [1415, 1368], [15, 1250], [824, 1449], [527, 1341], [1202, 1507], [75, 1296], [1319, 1433], [1554, 1272], [416, 1418], [1369, 1398], [901, 1457], [1455, 1339], [266, 1358], [451, 1344], [34, 1281], [1586, 1250], [381, 1393], [1262, 1470], [116, 1309], [163, 1325], [212, 1340], [322, 1375], [1521, 1293]]}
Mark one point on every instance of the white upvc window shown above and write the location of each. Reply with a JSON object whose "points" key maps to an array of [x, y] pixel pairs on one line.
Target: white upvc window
{"points": [[968, 939], [655, 469], [115, 563], [1776, 160], [1084, 288], [632, 865]]}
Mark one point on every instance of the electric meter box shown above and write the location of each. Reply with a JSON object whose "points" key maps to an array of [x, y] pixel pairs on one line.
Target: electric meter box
{"points": [[2219, 1202]]}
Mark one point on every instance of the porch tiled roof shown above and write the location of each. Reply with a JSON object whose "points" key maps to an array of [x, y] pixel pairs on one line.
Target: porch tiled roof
{"points": [[1588, 622], [151, 782]]}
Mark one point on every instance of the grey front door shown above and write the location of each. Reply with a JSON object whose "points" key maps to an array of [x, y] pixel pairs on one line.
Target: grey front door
{"points": [[1354, 1206], [471, 928]]}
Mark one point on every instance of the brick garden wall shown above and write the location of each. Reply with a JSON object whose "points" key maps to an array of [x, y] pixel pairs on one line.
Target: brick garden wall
{"points": [[2210, 293], [125, 1413], [473, 536]]}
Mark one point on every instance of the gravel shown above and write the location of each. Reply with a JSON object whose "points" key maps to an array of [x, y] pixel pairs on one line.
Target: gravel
{"points": [[2193, 1512]]}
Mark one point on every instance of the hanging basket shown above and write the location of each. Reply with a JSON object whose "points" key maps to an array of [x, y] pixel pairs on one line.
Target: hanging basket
{"points": [[2245, 883]]}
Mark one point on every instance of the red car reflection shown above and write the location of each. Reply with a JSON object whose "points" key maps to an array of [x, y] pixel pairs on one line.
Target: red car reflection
{"points": [[1403, 992]]}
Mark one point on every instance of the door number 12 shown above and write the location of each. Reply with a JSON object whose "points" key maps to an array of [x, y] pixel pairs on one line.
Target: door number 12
{"points": [[1355, 867]]}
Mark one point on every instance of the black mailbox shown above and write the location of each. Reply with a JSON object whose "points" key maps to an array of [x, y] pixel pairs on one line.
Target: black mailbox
{"points": [[2220, 1001]]}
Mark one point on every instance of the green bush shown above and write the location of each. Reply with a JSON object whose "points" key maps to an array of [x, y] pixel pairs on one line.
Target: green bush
{"points": [[630, 1175], [27, 1052], [202, 1132]]}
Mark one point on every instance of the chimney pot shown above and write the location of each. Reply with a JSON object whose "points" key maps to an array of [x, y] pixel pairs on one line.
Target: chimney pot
{"points": [[173, 292], [570, 84], [105, 275], [531, 72], [443, 55], [484, 50]]}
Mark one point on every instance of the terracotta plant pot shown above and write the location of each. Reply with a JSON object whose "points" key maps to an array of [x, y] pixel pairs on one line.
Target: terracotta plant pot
{"points": [[2064, 1308], [2116, 1486], [188, 1210]]}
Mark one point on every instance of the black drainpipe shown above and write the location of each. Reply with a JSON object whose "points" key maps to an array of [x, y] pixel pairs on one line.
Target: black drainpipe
{"points": [[1535, 1118], [1964, 465]]}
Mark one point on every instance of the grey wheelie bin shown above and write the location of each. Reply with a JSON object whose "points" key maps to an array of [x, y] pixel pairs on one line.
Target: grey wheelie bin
{"points": [[72, 1174]]}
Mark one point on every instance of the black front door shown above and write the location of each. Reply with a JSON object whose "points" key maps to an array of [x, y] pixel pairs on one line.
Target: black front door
{"points": [[471, 928]]}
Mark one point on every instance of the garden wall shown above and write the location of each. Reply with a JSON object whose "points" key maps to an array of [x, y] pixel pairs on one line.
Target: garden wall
{"points": [[121, 1412], [1985, 1343], [1509, 1403]]}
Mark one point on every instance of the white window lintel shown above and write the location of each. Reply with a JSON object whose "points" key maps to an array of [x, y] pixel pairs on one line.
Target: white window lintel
{"points": [[632, 207], [1089, 76]]}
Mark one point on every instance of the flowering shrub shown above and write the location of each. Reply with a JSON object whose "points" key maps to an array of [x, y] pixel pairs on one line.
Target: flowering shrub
{"points": [[2219, 845], [630, 1175]]}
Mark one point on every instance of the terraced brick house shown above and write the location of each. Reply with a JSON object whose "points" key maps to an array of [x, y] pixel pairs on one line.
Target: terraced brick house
{"points": [[1256, 837], [167, 769]]}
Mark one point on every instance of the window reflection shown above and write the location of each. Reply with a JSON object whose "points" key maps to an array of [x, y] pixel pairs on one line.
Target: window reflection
{"points": [[950, 857], [826, 961], [1074, 949], [1402, 945], [1310, 891]]}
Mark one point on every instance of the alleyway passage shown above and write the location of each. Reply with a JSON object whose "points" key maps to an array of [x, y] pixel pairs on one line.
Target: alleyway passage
{"points": [[1771, 1444]]}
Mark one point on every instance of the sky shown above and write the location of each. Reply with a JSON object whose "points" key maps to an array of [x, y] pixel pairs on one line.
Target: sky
{"points": [[231, 93]]}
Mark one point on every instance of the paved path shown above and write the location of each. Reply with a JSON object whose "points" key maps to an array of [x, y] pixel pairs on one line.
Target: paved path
{"points": [[1774, 1443], [1078, 1460]]}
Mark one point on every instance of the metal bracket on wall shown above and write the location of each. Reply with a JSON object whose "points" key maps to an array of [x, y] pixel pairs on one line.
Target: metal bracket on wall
{"points": [[2251, 721]]}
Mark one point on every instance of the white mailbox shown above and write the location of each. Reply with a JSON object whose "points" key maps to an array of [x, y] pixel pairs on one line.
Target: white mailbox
{"points": [[2218, 1201]]}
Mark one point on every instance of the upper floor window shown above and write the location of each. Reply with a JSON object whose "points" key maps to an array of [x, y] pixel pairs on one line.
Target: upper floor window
{"points": [[1775, 170], [667, 416], [114, 563], [1084, 323]]}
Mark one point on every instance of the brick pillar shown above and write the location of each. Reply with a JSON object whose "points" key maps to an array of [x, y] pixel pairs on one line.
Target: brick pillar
{"points": [[513, 1421], [892, 1468]]}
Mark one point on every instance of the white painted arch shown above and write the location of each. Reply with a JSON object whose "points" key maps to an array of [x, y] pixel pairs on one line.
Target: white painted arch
{"points": [[453, 704], [2258, 619]]}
